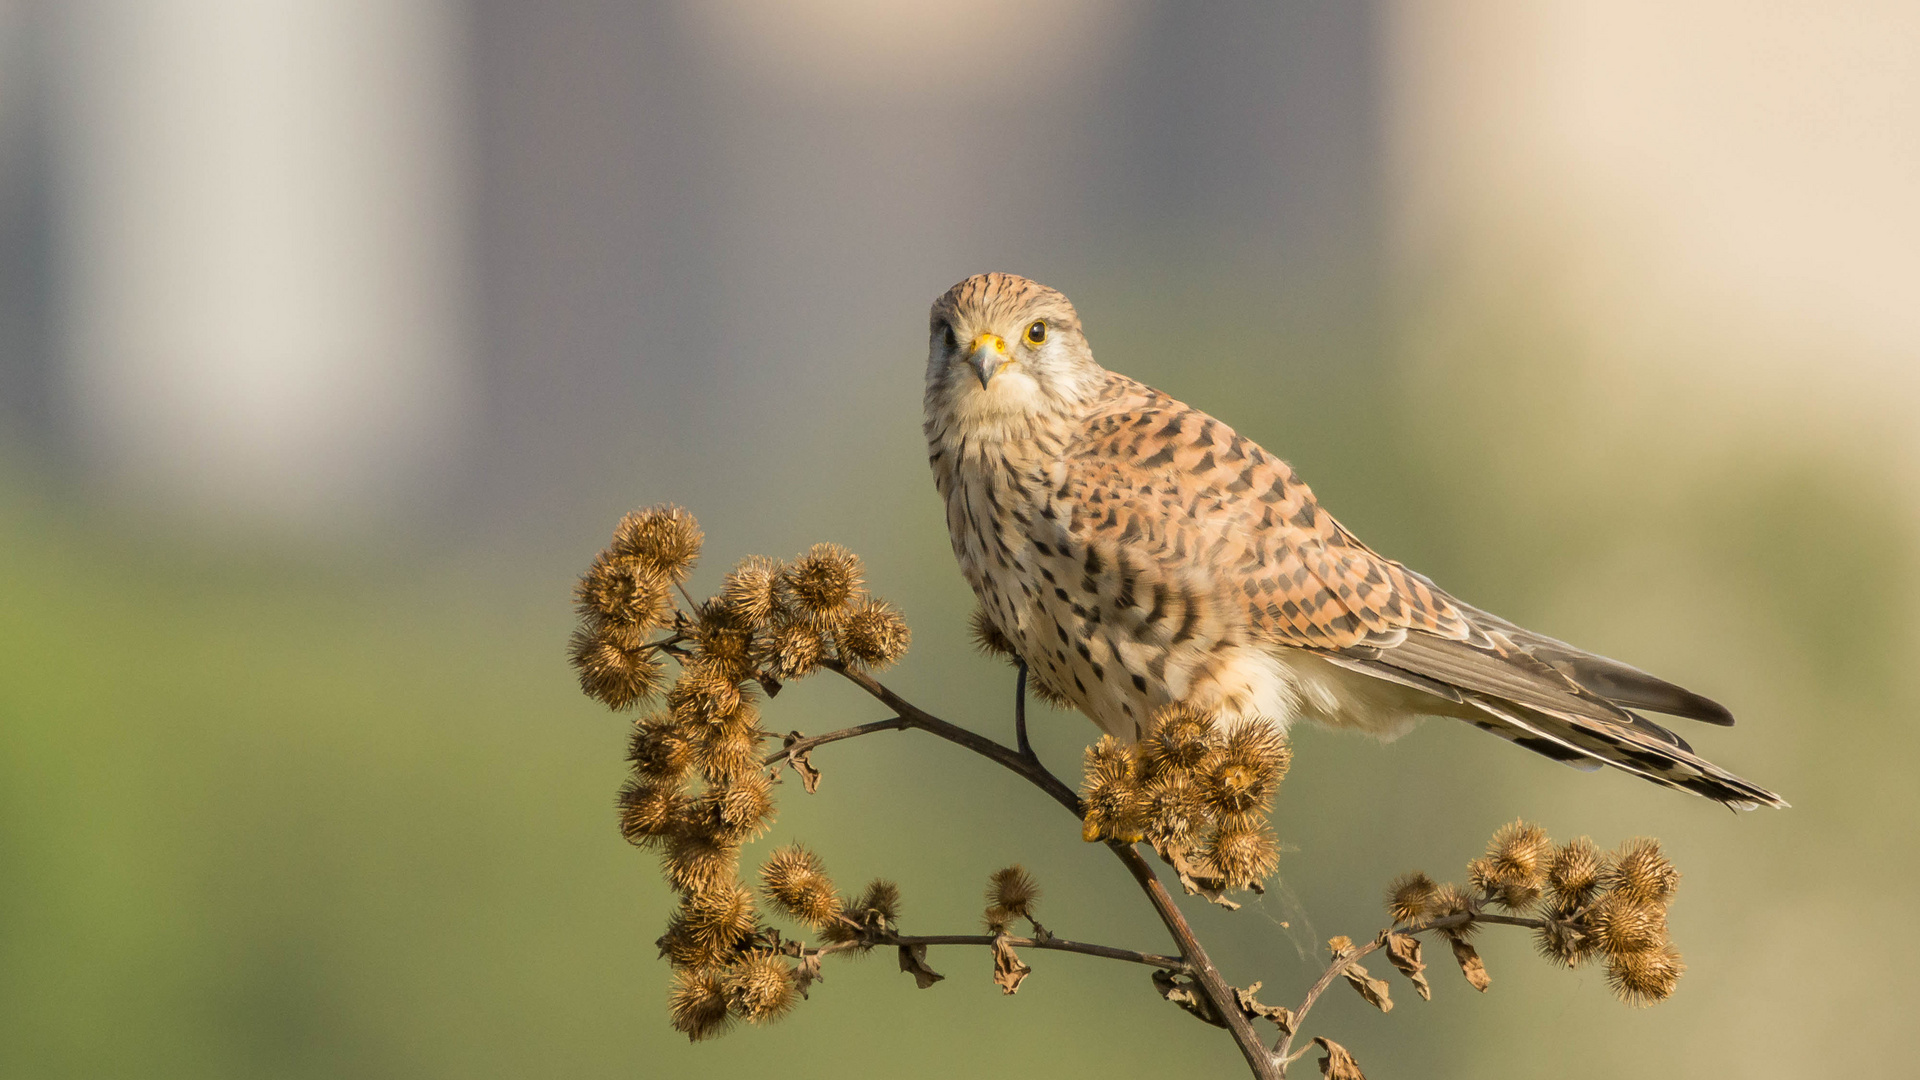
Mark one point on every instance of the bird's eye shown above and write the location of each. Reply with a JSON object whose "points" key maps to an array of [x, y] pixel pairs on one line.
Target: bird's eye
{"points": [[1037, 331], [953, 341]]}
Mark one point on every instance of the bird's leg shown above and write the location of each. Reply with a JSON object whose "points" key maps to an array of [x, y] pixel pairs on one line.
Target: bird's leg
{"points": [[1020, 713]]}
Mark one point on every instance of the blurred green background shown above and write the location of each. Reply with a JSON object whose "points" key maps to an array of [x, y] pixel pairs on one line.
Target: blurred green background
{"points": [[294, 780]]}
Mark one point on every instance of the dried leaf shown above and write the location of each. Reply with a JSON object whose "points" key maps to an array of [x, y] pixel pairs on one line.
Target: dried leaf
{"points": [[1470, 965], [809, 776], [1279, 1014], [1403, 950], [1197, 880], [913, 960], [806, 973], [1184, 995], [1338, 1064], [1008, 971], [1374, 990]]}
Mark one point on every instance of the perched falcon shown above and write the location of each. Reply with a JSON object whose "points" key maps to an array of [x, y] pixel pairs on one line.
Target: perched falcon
{"points": [[1135, 551]]}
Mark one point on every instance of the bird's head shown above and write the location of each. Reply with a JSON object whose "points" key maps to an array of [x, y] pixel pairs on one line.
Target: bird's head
{"points": [[1002, 346]]}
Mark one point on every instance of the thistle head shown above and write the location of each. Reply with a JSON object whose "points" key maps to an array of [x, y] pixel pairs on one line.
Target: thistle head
{"points": [[1243, 851], [615, 668], [796, 884], [697, 1007], [664, 538], [873, 635], [1412, 897], [752, 590], [1647, 977], [760, 987], [824, 581]]}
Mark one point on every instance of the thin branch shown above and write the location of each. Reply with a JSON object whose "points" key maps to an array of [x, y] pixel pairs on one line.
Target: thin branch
{"points": [[1169, 963], [915, 717], [801, 746], [1020, 714]]}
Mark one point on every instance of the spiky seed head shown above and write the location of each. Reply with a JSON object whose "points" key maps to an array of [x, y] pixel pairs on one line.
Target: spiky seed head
{"points": [[880, 904], [613, 669], [1647, 977], [1500, 884], [760, 987], [658, 749], [1245, 767], [1172, 808], [705, 693], [1013, 889], [1411, 897], [1640, 871], [723, 639], [997, 920], [1110, 792], [694, 860], [1178, 740], [1574, 874], [1521, 849], [697, 1007], [796, 883], [1482, 875], [665, 538], [1256, 744], [987, 637], [650, 810], [1450, 900], [724, 754], [824, 581], [679, 947], [625, 591], [739, 809], [752, 590], [1243, 852], [1620, 925], [720, 917], [794, 650], [874, 634], [1563, 944], [1514, 868]]}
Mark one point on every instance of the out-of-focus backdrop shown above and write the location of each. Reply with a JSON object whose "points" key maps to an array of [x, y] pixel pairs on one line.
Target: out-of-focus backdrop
{"points": [[336, 334]]}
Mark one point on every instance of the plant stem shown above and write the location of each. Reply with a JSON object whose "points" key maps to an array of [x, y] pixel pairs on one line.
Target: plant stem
{"points": [[1170, 963], [1020, 714]]}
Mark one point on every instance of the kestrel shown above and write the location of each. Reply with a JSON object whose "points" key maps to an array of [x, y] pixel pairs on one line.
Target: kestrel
{"points": [[1136, 551]]}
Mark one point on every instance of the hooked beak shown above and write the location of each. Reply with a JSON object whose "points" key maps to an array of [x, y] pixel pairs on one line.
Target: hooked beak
{"points": [[988, 356]]}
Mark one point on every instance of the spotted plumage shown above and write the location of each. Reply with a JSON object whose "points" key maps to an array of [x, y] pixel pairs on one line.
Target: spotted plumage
{"points": [[1136, 551]]}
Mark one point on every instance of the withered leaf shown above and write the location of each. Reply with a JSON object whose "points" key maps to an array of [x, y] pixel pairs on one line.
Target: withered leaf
{"points": [[1008, 971], [1338, 1064], [1195, 879], [1184, 995], [1470, 965], [1403, 950], [1279, 1014], [809, 776], [1376, 991], [806, 973], [913, 960]]}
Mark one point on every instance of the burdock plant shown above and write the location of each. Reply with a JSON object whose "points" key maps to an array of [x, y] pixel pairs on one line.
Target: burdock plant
{"points": [[1194, 790]]}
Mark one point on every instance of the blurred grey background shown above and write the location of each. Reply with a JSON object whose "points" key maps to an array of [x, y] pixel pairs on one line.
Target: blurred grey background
{"points": [[335, 335]]}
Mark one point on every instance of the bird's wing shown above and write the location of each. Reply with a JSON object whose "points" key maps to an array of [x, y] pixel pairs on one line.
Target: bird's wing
{"points": [[1173, 495]]}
